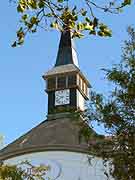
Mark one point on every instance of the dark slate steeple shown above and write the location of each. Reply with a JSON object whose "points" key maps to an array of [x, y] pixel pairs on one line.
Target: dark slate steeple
{"points": [[66, 52], [50, 134]]}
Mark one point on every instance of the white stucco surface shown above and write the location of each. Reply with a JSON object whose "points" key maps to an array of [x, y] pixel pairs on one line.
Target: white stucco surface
{"points": [[65, 165]]}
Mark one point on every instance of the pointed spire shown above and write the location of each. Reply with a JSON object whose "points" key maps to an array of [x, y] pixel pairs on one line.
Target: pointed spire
{"points": [[66, 52]]}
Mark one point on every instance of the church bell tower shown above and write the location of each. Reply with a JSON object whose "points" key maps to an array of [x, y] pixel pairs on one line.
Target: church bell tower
{"points": [[66, 86], [55, 142]]}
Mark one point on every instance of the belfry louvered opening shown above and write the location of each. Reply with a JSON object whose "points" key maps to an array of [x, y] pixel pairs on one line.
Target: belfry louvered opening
{"points": [[61, 82]]}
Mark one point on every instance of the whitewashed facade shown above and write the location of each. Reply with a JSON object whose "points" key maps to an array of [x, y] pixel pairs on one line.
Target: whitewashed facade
{"points": [[65, 165]]}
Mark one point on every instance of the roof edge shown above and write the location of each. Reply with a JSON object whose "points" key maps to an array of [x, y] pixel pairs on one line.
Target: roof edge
{"points": [[58, 147]]}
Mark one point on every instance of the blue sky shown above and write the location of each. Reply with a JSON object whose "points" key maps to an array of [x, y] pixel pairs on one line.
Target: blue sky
{"points": [[23, 102]]}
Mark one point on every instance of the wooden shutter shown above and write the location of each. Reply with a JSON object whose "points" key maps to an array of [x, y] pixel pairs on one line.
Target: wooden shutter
{"points": [[61, 82], [51, 83], [71, 80]]}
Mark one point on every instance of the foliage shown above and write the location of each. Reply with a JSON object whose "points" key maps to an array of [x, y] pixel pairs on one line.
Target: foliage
{"points": [[117, 112], [59, 14], [23, 170]]}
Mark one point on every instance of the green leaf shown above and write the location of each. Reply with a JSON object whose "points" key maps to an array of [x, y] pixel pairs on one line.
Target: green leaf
{"points": [[49, 15], [34, 30], [20, 35], [107, 32], [21, 8], [24, 17], [102, 27], [83, 12], [20, 30], [95, 22], [34, 20], [75, 18], [126, 2], [101, 33], [80, 26], [60, 1], [32, 4], [54, 25], [73, 10], [41, 4], [14, 44], [21, 41], [77, 34], [88, 27], [87, 19], [93, 32]]}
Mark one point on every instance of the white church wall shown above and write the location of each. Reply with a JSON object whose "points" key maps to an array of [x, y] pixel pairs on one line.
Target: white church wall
{"points": [[65, 165]]}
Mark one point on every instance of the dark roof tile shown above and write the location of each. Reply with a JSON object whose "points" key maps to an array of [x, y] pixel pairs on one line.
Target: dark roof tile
{"points": [[59, 134]]}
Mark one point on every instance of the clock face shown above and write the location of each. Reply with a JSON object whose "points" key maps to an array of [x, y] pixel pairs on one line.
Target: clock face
{"points": [[62, 97]]}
